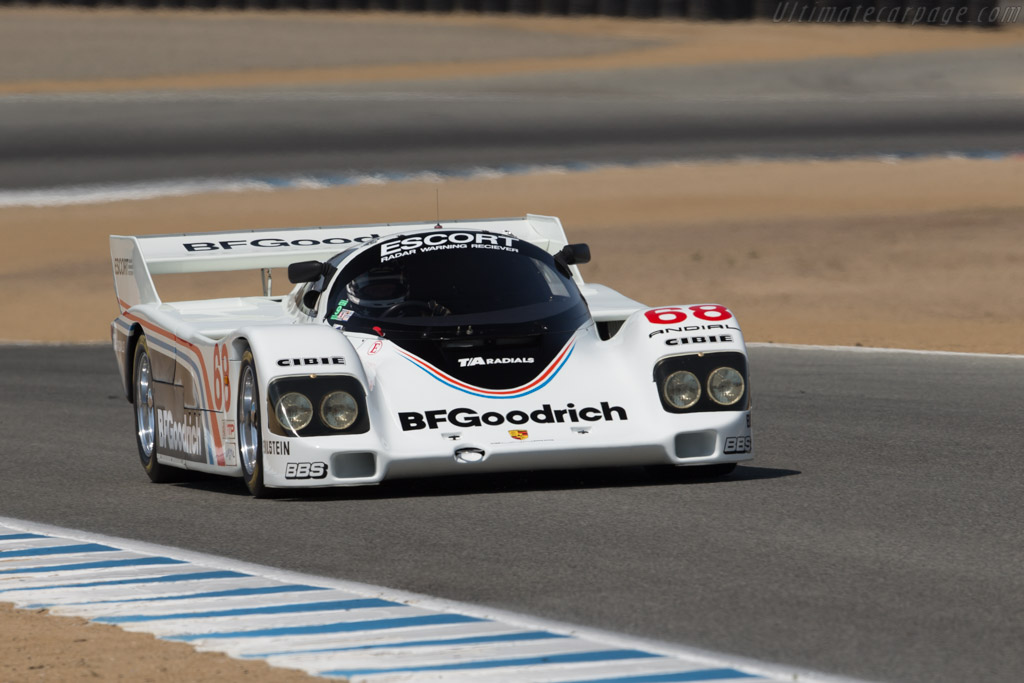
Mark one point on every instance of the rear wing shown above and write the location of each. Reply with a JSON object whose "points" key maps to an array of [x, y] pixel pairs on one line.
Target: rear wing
{"points": [[136, 259]]}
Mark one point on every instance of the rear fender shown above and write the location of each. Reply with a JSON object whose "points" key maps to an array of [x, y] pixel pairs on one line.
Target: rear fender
{"points": [[123, 343]]}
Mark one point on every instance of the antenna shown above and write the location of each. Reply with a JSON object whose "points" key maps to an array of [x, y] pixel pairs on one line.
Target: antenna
{"points": [[437, 202]]}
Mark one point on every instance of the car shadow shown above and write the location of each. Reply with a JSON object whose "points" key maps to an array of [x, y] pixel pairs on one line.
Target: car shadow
{"points": [[505, 482]]}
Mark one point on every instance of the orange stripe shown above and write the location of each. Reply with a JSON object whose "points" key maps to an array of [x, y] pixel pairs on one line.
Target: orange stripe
{"points": [[218, 446]]}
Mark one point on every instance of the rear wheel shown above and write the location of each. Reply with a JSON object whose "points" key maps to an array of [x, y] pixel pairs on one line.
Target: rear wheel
{"points": [[145, 416], [250, 429]]}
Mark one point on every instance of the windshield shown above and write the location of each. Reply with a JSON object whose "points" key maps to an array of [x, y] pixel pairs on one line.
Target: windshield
{"points": [[448, 280]]}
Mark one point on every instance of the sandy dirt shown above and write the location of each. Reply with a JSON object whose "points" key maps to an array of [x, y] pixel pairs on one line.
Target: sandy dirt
{"points": [[35, 646], [917, 254], [204, 50]]}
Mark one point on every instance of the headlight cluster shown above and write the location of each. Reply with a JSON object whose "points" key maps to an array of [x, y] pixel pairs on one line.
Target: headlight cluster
{"points": [[682, 389], [702, 382], [294, 411], [338, 410], [726, 386], [317, 406]]}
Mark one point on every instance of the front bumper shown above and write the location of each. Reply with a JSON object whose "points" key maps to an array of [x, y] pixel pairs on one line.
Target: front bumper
{"points": [[363, 459]]}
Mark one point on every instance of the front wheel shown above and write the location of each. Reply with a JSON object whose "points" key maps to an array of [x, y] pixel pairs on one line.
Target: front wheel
{"points": [[250, 427], [145, 417]]}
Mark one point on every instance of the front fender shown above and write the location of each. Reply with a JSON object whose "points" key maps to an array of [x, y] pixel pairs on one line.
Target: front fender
{"points": [[289, 350], [655, 333]]}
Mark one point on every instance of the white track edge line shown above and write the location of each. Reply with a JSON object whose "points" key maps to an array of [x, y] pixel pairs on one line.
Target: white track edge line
{"points": [[101, 193], [881, 349], [708, 657]]}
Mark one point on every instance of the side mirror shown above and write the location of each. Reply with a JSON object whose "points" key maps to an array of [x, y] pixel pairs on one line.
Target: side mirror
{"points": [[307, 271], [572, 254], [576, 253]]}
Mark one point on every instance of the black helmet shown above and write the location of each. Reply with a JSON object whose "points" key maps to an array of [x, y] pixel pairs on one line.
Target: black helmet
{"points": [[379, 287]]}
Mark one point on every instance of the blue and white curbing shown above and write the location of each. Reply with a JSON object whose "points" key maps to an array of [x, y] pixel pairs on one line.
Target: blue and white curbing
{"points": [[329, 628]]}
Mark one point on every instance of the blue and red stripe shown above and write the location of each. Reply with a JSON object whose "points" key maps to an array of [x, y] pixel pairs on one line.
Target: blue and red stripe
{"points": [[537, 383]]}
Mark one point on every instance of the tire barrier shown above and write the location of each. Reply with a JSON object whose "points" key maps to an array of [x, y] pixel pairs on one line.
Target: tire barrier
{"points": [[988, 13], [581, 6], [611, 8], [524, 6]]}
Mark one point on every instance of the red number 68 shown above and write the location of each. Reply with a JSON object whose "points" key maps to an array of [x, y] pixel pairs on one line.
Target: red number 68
{"points": [[675, 314], [665, 316]]}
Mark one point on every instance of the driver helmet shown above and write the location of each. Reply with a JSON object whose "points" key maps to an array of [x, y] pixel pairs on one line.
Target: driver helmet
{"points": [[379, 287]]}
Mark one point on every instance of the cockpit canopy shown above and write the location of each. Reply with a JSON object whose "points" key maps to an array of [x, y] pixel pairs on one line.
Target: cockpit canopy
{"points": [[447, 279]]}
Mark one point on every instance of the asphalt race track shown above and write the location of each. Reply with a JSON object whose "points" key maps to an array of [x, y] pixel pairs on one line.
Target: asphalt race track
{"points": [[91, 142], [878, 534], [906, 104]]}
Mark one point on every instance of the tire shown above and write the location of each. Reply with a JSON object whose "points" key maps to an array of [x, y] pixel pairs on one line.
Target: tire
{"points": [[250, 427], [693, 472], [145, 417]]}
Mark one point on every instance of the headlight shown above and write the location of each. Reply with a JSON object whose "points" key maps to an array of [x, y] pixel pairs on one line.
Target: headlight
{"points": [[294, 411], [339, 410], [725, 386], [682, 389]]}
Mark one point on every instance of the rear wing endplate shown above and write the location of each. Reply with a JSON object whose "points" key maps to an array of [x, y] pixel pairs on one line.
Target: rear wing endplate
{"points": [[136, 259]]}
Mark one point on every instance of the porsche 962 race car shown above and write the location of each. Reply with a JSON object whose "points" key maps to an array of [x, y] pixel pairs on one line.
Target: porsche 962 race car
{"points": [[412, 350]]}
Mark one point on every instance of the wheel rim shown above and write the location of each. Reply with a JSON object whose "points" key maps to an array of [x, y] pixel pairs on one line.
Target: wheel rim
{"points": [[249, 421], [144, 409]]}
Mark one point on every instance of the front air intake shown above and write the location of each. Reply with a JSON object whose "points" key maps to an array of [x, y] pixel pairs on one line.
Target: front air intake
{"points": [[353, 465], [695, 444]]}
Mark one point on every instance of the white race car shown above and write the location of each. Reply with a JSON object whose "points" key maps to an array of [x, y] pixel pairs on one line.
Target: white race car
{"points": [[409, 350]]}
